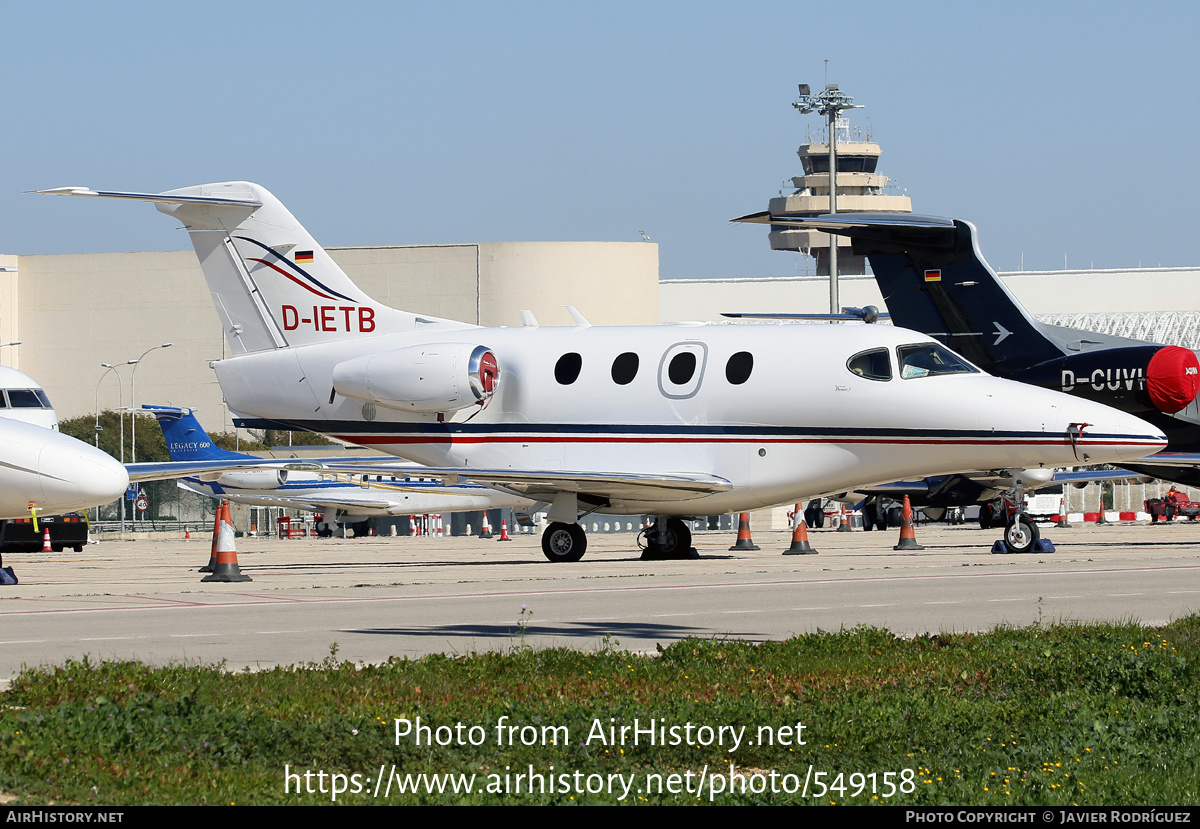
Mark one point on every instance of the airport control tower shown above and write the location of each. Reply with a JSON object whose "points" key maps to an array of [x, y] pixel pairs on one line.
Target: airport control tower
{"points": [[860, 190]]}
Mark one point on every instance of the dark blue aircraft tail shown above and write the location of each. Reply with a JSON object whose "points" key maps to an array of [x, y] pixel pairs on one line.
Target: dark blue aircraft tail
{"points": [[186, 438], [935, 280]]}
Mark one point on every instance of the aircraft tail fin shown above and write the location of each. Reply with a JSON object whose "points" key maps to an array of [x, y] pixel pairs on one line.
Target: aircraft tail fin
{"points": [[186, 438], [935, 280], [272, 284]]}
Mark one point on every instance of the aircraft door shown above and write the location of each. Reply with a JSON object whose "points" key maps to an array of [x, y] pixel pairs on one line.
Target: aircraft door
{"points": [[681, 370]]}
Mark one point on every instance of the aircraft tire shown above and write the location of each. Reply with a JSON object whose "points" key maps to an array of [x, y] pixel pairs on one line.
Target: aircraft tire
{"points": [[814, 514], [678, 543], [895, 517], [870, 517], [564, 542], [987, 516], [1020, 534]]}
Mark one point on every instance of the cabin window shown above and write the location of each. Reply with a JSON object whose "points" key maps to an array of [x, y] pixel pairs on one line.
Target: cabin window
{"points": [[737, 370], [681, 370], [625, 368], [682, 367], [930, 359], [873, 364], [566, 370]]}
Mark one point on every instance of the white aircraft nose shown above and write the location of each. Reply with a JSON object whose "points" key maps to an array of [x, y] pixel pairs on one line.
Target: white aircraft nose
{"points": [[75, 476], [1112, 436]]}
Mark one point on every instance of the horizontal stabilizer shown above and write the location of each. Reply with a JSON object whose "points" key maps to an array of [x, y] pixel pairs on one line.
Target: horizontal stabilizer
{"points": [[833, 222], [157, 198]]}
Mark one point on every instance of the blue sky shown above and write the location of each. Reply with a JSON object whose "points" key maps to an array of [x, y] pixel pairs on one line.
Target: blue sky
{"points": [[1059, 129]]}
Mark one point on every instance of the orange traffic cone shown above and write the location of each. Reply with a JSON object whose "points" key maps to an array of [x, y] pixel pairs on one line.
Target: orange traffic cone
{"points": [[847, 524], [46, 548], [908, 536], [1062, 513], [800, 545], [212, 553], [744, 542], [187, 533], [226, 569], [503, 531], [486, 532]]}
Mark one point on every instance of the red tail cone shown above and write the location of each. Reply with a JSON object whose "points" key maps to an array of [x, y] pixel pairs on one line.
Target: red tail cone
{"points": [[908, 536], [744, 542]]}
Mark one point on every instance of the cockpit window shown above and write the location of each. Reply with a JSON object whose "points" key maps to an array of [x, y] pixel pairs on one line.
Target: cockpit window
{"points": [[873, 364], [25, 399], [929, 359]]}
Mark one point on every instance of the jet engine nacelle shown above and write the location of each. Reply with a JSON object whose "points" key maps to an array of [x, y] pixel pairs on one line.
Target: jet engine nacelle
{"points": [[249, 478], [442, 377]]}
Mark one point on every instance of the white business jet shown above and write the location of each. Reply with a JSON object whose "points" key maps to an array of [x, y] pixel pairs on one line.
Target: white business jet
{"points": [[41, 468], [674, 420]]}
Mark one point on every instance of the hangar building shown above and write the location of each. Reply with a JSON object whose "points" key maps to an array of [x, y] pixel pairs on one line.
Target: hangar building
{"points": [[72, 312]]}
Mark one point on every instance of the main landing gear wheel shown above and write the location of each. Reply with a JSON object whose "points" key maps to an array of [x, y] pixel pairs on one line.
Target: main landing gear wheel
{"points": [[1020, 534], [987, 516], [675, 542], [870, 514], [564, 542]]}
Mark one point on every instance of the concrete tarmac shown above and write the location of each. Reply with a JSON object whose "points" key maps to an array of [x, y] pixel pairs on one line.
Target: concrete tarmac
{"points": [[382, 597]]}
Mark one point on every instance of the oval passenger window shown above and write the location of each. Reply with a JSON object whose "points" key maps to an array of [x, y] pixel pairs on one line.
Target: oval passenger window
{"points": [[566, 370], [682, 367], [625, 368], [737, 370]]}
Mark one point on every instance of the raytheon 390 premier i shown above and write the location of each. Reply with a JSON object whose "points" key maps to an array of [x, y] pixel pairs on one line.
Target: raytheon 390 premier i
{"points": [[669, 420]]}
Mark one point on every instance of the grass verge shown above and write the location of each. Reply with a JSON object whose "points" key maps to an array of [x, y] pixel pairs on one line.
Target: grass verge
{"points": [[1048, 715]]}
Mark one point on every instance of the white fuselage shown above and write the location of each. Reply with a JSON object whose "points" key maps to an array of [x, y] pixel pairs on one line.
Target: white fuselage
{"points": [[54, 472], [800, 425]]}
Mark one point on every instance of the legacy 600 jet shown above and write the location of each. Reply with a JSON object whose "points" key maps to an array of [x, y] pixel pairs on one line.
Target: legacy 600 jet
{"points": [[674, 420], [404, 490]]}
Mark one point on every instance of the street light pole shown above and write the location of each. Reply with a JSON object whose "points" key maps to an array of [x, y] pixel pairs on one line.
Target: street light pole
{"points": [[830, 103], [133, 400], [120, 421]]}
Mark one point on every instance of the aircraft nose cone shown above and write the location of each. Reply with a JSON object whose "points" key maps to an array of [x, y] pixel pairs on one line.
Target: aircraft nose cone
{"points": [[75, 476], [1114, 437]]}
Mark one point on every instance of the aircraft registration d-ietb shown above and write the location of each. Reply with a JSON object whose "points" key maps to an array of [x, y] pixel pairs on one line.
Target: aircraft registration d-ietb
{"points": [[667, 420]]}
